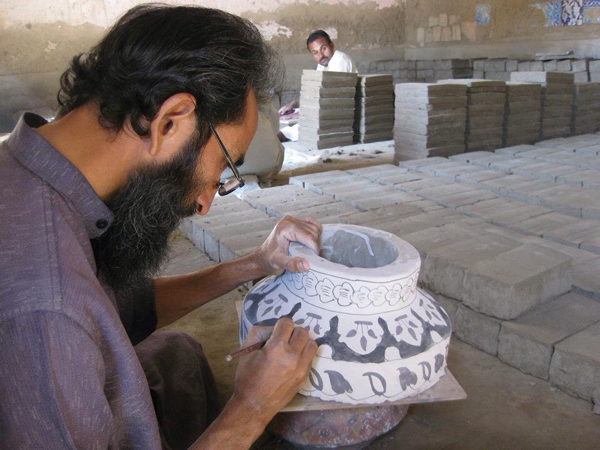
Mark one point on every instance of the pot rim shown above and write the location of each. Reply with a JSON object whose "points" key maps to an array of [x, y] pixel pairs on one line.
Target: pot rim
{"points": [[407, 261]]}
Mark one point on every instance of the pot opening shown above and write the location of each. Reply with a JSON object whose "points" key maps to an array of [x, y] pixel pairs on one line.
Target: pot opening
{"points": [[354, 249]]}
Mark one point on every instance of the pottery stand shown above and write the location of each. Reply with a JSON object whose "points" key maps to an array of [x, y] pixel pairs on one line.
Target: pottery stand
{"points": [[351, 428], [311, 423]]}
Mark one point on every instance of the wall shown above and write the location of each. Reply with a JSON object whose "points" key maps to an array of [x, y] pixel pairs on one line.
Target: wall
{"points": [[38, 38], [501, 28]]}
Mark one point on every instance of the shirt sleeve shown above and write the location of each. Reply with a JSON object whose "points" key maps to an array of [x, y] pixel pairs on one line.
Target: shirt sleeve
{"points": [[51, 385], [137, 311]]}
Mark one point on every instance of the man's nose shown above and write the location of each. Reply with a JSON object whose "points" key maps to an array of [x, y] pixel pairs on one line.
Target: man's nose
{"points": [[204, 201]]}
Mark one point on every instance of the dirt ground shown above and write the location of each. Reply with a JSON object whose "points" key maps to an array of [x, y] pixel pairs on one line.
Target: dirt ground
{"points": [[505, 408]]}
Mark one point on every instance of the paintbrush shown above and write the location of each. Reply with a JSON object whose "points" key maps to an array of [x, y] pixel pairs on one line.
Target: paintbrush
{"points": [[244, 351]]}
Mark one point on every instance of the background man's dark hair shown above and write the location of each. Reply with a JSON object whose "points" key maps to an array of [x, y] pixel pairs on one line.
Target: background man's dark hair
{"points": [[316, 35], [155, 51]]}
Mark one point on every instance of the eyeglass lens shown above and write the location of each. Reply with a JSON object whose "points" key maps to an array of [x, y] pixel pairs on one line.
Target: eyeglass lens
{"points": [[229, 186]]}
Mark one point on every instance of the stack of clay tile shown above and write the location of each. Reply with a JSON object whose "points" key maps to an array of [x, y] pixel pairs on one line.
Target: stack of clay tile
{"points": [[374, 113], [586, 108], [452, 69], [557, 100], [485, 113], [430, 120], [326, 109], [522, 120]]}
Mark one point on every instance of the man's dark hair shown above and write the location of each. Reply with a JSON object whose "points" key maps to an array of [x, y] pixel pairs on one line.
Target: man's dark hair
{"points": [[316, 35], [155, 51]]}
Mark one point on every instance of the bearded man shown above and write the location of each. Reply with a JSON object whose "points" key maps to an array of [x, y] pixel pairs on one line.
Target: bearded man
{"points": [[149, 119]]}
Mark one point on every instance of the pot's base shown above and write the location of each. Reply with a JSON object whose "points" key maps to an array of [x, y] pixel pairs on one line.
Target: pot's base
{"points": [[349, 429]]}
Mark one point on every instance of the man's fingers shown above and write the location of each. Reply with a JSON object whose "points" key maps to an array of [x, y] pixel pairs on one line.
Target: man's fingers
{"points": [[306, 233], [308, 354], [314, 230], [299, 339], [273, 252], [312, 220], [295, 264], [257, 334], [282, 331]]}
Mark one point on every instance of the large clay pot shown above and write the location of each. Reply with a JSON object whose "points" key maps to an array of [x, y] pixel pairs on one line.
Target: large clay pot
{"points": [[380, 338]]}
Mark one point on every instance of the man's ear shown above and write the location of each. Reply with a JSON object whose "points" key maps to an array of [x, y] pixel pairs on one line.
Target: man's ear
{"points": [[176, 119]]}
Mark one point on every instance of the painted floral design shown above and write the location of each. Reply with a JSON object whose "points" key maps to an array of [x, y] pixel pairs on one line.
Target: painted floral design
{"points": [[407, 378], [310, 282], [312, 324], [353, 385], [431, 313], [288, 279], [344, 294], [378, 295], [571, 12], [377, 382], [325, 290], [363, 338], [297, 280], [338, 382], [408, 290], [272, 304], [361, 297], [407, 327], [393, 296]]}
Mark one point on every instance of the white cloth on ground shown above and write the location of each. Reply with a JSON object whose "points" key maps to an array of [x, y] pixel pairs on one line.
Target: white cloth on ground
{"points": [[291, 131]]}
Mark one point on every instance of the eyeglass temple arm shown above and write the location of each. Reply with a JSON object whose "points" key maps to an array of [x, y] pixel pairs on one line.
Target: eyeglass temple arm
{"points": [[227, 157]]}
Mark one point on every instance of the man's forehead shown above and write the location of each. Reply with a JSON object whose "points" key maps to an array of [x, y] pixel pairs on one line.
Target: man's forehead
{"points": [[318, 43]]}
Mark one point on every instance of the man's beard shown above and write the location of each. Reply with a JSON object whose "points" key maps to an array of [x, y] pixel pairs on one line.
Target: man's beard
{"points": [[146, 210]]}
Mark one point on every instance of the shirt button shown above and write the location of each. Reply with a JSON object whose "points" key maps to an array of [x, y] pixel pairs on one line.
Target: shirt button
{"points": [[101, 224]]}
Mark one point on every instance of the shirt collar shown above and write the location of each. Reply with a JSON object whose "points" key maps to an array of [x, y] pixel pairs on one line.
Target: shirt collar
{"points": [[36, 154]]}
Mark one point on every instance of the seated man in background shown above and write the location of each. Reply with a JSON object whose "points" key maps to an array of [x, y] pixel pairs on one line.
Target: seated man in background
{"points": [[323, 50]]}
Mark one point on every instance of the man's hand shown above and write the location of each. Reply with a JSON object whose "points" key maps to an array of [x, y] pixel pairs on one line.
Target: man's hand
{"points": [[273, 256], [268, 379], [288, 108], [265, 382]]}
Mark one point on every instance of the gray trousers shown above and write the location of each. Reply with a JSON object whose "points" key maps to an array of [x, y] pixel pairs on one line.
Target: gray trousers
{"points": [[182, 386]]}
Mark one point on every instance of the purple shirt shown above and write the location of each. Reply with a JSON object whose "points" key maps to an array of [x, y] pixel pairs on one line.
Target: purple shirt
{"points": [[69, 375]]}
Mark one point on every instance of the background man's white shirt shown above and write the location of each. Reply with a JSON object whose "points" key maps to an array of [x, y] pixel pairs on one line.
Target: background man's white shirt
{"points": [[339, 62]]}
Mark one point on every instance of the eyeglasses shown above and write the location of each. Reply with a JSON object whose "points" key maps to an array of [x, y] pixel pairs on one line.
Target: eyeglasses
{"points": [[231, 185]]}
